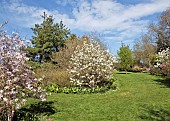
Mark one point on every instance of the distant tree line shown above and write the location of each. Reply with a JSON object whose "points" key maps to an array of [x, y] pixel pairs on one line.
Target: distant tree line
{"points": [[146, 48]]}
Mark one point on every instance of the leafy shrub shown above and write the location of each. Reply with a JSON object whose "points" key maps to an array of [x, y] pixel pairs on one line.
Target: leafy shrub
{"points": [[112, 85], [34, 65], [90, 65]]}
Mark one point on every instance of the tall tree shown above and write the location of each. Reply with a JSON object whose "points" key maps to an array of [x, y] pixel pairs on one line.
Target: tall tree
{"points": [[126, 57], [161, 31], [144, 50], [49, 36]]}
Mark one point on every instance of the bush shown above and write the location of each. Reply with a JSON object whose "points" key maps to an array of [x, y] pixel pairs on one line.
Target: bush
{"points": [[111, 85], [165, 69], [52, 74], [155, 71], [90, 65], [34, 65], [162, 66], [137, 69]]}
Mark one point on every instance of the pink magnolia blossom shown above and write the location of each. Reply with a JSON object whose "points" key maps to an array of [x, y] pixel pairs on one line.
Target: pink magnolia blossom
{"points": [[16, 79]]}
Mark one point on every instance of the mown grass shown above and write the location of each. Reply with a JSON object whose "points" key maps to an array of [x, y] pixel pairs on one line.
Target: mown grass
{"points": [[140, 96]]}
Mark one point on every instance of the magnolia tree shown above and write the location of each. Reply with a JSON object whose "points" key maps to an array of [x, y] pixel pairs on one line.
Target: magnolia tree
{"points": [[16, 78], [163, 56], [90, 65], [163, 62]]}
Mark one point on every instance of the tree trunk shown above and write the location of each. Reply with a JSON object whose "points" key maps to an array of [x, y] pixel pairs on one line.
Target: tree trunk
{"points": [[11, 114]]}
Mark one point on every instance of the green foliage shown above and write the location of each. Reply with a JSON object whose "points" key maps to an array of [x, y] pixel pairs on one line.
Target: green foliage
{"points": [[154, 59], [125, 56], [112, 85], [49, 36], [34, 65]]}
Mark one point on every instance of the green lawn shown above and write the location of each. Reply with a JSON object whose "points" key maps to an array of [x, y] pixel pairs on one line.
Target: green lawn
{"points": [[140, 97]]}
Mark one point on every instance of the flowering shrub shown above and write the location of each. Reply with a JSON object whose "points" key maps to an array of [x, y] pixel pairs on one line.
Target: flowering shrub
{"points": [[163, 63], [155, 71], [136, 69], [163, 56], [165, 68], [90, 65], [16, 78]]}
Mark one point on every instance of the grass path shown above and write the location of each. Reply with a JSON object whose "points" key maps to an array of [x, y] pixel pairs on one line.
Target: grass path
{"points": [[140, 97]]}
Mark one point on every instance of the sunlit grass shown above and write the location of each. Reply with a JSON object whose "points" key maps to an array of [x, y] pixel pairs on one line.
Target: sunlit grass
{"points": [[140, 96]]}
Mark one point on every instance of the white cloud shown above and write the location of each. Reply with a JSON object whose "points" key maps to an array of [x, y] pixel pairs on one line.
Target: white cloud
{"points": [[105, 16], [108, 15], [27, 16]]}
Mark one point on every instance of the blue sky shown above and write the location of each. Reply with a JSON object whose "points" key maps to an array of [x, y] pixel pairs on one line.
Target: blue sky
{"points": [[113, 20]]}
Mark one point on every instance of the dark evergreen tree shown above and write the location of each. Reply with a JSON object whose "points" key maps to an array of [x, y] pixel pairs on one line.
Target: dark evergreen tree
{"points": [[49, 37]]}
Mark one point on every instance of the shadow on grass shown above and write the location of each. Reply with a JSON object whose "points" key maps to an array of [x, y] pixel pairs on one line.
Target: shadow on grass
{"points": [[35, 111], [164, 81], [156, 114]]}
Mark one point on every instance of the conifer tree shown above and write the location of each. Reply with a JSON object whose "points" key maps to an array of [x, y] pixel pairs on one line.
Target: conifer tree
{"points": [[49, 36]]}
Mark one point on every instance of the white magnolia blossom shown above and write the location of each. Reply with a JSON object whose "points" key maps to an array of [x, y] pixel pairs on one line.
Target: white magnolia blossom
{"points": [[163, 62], [163, 56], [90, 65]]}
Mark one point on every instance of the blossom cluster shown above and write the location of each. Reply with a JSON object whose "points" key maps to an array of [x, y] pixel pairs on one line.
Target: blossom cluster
{"points": [[163, 62], [90, 65], [163, 56], [16, 78]]}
